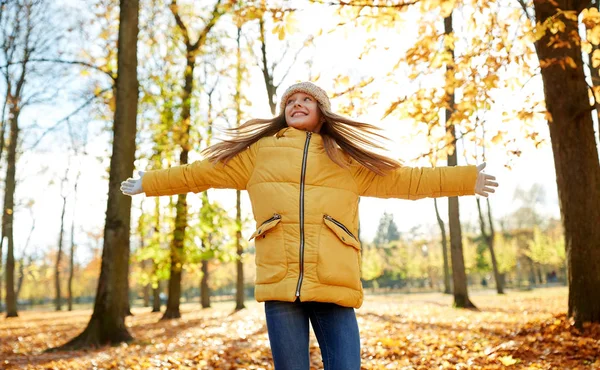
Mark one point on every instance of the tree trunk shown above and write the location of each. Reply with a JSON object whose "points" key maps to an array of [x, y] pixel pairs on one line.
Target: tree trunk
{"points": [[72, 251], [1, 267], [575, 157], [21, 277], [239, 292], [538, 270], [156, 289], [148, 286], [144, 264], [2, 142], [177, 245], [7, 221], [532, 279], [459, 277], [267, 73], [57, 298], [447, 287], [177, 251], [204, 289], [156, 298], [107, 324], [177, 254], [489, 240]]}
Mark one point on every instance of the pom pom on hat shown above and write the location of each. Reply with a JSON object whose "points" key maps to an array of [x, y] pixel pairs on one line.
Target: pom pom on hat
{"points": [[308, 88]]}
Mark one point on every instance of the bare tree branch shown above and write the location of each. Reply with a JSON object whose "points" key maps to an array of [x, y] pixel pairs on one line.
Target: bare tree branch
{"points": [[216, 14], [60, 61], [363, 4], [448, 144], [526, 10], [69, 116], [175, 10]]}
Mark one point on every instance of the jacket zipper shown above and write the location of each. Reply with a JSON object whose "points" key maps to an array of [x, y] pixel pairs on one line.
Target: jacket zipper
{"points": [[340, 225], [275, 217], [302, 178]]}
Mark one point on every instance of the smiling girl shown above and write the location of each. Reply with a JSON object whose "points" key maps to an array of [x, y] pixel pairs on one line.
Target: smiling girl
{"points": [[304, 171]]}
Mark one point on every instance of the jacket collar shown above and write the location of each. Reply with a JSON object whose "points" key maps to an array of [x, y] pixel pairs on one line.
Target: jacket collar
{"points": [[292, 132]]}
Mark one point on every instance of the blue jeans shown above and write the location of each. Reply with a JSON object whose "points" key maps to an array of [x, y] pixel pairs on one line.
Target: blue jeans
{"points": [[335, 327]]}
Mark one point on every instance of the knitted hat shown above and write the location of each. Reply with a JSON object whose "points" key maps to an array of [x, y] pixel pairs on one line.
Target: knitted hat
{"points": [[308, 88]]}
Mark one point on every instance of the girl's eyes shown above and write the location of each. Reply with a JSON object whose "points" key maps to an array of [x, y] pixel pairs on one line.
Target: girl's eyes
{"points": [[305, 99]]}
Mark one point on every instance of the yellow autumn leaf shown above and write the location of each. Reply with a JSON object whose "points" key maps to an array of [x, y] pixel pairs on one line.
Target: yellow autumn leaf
{"points": [[449, 41], [446, 8], [570, 15], [539, 31], [497, 138], [290, 23], [278, 29], [590, 17], [507, 360], [441, 59], [544, 63], [593, 35], [570, 62], [596, 58], [557, 26]]}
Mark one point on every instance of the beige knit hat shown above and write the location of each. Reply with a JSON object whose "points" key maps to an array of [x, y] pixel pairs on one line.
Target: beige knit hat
{"points": [[308, 88]]}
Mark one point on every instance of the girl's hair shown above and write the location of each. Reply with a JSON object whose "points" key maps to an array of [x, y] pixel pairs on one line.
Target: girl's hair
{"points": [[355, 139]]}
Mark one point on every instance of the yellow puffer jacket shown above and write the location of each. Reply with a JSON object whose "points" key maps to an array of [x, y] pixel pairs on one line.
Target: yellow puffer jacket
{"points": [[306, 210]]}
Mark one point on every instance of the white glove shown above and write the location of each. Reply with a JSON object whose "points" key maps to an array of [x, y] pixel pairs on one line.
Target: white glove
{"points": [[484, 184], [132, 186]]}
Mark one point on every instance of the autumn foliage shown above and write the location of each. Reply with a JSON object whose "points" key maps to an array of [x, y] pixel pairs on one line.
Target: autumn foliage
{"points": [[521, 330]]}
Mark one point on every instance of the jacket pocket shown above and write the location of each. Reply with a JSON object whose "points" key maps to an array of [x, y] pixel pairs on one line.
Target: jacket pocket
{"points": [[270, 257], [339, 255]]}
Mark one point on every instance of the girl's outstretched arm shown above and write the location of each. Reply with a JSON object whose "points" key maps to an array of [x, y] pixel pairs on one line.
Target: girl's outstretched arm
{"points": [[416, 183], [197, 176]]}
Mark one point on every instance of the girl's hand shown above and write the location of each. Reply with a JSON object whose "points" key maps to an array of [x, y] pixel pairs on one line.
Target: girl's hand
{"points": [[132, 186], [484, 184]]}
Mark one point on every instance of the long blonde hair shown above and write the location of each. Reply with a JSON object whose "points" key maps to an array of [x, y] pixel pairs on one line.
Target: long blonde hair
{"points": [[356, 139]]}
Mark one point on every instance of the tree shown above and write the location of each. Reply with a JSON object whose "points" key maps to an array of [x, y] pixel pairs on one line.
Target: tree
{"points": [[73, 247], [459, 277], [192, 50], [489, 239], [529, 200], [444, 245], [57, 299], [26, 33], [22, 264], [387, 231], [107, 324], [558, 47], [239, 285]]}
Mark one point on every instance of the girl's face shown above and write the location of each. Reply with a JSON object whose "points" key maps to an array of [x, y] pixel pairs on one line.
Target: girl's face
{"points": [[302, 112]]}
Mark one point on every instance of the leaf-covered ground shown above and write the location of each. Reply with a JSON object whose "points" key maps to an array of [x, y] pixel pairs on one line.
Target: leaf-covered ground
{"points": [[521, 330]]}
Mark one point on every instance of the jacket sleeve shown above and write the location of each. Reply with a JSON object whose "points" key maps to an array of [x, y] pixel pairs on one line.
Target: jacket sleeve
{"points": [[201, 175], [415, 182]]}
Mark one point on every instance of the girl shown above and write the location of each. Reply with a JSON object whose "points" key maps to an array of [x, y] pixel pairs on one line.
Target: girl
{"points": [[304, 171]]}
